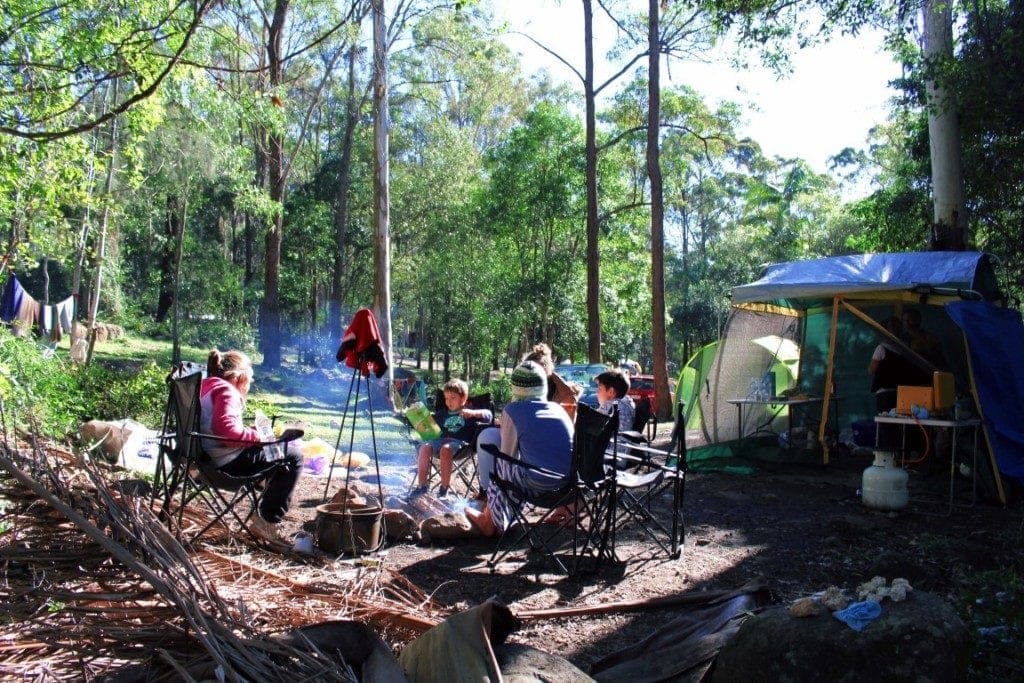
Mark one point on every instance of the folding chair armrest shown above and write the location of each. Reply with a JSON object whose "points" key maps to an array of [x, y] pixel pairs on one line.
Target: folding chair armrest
{"points": [[638, 455], [633, 436], [287, 436], [493, 450]]}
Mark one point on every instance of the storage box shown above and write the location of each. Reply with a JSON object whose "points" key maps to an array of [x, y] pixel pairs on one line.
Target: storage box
{"points": [[943, 391], [907, 396]]}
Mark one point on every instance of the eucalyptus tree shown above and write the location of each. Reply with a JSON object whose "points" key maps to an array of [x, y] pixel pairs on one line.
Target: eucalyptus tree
{"points": [[457, 91], [56, 57], [532, 210], [292, 51]]}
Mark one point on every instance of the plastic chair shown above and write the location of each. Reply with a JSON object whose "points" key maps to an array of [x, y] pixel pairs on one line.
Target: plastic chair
{"points": [[185, 471], [587, 488]]}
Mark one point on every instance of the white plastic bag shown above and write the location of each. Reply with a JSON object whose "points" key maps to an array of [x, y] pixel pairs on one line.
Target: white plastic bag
{"points": [[266, 432], [79, 351]]}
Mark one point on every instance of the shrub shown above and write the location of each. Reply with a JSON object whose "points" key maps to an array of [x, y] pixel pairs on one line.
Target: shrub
{"points": [[48, 394], [501, 389]]}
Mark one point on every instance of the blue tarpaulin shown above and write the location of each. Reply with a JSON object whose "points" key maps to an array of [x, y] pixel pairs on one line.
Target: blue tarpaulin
{"points": [[995, 338], [826, 277]]}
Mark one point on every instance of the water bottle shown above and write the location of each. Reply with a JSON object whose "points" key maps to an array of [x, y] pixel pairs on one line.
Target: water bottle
{"points": [[266, 431]]}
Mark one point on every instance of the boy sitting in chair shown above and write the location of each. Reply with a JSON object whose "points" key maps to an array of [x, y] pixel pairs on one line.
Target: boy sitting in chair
{"points": [[458, 427]]}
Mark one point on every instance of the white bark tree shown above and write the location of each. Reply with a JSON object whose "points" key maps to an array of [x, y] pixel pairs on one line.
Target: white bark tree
{"points": [[381, 188], [949, 229]]}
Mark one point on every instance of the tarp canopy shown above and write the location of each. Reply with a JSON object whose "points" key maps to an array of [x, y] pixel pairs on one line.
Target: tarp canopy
{"points": [[829, 313], [851, 273]]}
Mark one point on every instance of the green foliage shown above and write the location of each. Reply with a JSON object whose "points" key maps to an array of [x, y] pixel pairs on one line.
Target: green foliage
{"points": [[50, 395], [224, 334], [500, 387]]}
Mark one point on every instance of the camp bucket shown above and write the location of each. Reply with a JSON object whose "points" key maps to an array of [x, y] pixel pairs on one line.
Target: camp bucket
{"points": [[349, 528]]}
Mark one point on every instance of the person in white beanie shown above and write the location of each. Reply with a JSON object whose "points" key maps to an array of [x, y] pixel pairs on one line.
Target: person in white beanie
{"points": [[538, 432]]}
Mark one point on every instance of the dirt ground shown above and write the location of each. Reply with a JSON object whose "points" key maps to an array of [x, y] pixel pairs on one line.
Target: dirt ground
{"points": [[803, 528]]}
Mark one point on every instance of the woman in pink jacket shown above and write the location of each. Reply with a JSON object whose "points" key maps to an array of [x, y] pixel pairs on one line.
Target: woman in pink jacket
{"points": [[238, 450]]}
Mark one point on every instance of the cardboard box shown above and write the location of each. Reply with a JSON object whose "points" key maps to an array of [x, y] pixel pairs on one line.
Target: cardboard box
{"points": [[907, 396]]}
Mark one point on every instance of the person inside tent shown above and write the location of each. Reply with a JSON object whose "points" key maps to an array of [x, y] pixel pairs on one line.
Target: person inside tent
{"points": [[889, 368]]}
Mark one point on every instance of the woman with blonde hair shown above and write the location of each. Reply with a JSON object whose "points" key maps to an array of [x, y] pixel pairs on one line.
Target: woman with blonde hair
{"points": [[558, 390]]}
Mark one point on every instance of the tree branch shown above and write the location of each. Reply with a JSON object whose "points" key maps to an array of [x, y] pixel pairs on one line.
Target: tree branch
{"points": [[41, 136]]}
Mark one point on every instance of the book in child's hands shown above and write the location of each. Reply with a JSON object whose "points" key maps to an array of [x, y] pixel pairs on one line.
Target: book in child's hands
{"points": [[423, 421]]}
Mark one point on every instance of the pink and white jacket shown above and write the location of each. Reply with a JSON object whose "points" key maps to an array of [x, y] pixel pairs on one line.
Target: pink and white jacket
{"points": [[220, 414]]}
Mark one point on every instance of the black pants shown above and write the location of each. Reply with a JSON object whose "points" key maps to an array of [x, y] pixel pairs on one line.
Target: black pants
{"points": [[284, 473]]}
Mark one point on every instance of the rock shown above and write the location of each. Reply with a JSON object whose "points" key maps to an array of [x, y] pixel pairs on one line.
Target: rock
{"points": [[918, 639], [447, 526], [805, 607], [112, 435], [522, 663], [399, 525]]}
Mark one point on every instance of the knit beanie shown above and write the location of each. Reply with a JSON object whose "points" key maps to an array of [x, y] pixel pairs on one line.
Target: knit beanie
{"points": [[529, 381]]}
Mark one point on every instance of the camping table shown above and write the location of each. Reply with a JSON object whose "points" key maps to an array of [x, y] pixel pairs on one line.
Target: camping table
{"points": [[956, 426], [791, 403]]}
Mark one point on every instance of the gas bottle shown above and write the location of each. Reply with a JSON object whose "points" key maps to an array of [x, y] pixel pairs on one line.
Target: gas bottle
{"points": [[884, 486], [422, 421]]}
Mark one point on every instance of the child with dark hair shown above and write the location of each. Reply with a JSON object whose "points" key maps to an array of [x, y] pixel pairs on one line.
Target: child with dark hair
{"points": [[612, 391]]}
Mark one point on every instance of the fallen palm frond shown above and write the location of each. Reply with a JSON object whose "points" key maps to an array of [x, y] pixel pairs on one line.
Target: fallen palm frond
{"points": [[93, 581]]}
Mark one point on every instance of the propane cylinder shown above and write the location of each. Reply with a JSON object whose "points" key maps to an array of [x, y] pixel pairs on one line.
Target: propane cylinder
{"points": [[884, 486]]}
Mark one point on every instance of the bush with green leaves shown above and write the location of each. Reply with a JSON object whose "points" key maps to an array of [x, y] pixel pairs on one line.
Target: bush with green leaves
{"points": [[47, 394]]}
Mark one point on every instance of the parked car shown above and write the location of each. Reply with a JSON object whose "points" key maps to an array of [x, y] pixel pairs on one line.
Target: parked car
{"points": [[641, 388], [583, 374]]}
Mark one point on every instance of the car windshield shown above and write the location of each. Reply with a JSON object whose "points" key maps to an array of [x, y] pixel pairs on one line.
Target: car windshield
{"points": [[581, 374]]}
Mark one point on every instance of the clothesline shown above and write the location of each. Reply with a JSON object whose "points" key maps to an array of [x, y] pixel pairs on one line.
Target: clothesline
{"points": [[23, 312]]}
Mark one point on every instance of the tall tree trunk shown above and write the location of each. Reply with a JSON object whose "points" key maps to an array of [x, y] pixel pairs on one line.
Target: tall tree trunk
{"points": [[381, 189], [593, 254], [254, 224], [101, 246], [949, 230], [659, 351], [270, 320], [179, 249], [165, 266], [352, 108]]}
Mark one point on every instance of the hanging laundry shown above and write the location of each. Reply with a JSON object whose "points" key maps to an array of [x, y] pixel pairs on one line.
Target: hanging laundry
{"points": [[10, 302], [26, 319], [46, 320], [65, 311]]}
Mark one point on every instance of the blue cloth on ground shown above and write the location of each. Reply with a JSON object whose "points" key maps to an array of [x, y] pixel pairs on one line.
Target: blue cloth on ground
{"points": [[859, 614]]}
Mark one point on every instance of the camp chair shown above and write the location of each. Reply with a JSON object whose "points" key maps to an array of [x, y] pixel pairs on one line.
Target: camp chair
{"points": [[464, 466], [186, 471], [652, 473], [645, 422], [587, 488]]}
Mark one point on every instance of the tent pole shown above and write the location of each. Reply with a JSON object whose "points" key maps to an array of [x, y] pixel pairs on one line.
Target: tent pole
{"points": [[825, 404]]}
